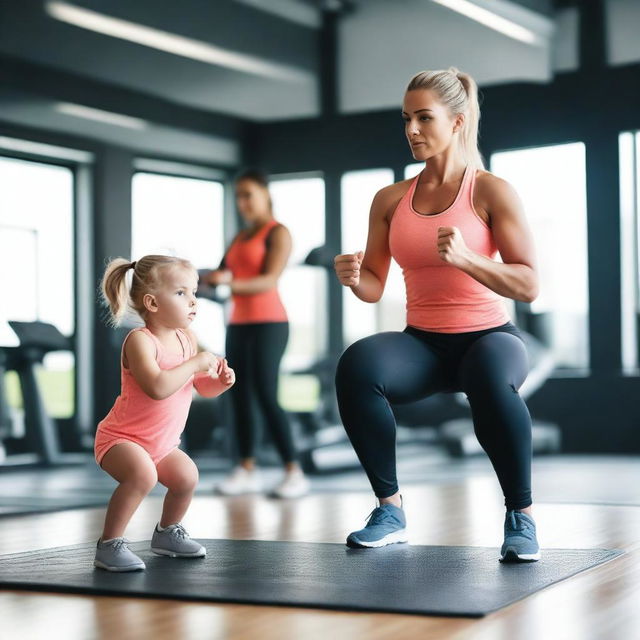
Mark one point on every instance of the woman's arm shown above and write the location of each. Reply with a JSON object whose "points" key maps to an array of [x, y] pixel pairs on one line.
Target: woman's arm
{"points": [[157, 383], [516, 277], [366, 273], [278, 252]]}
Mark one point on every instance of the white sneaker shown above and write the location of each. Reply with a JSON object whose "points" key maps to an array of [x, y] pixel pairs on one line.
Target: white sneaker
{"points": [[240, 481], [294, 485]]}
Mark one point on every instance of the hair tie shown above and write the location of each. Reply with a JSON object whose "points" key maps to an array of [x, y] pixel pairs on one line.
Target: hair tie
{"points": [[133, 265]]}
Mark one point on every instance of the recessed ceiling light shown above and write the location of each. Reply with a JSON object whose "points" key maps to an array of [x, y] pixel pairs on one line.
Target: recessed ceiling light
{"points": [[89, 113], [172, 43], [41, 149], [492, 20]]}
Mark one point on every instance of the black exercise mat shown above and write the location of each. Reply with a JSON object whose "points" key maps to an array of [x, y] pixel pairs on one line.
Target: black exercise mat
{"points": [[401, 578]]}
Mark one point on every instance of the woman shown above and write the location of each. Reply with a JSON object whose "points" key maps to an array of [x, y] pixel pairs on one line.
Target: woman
{"points": [[443, 228], [256, 337]]}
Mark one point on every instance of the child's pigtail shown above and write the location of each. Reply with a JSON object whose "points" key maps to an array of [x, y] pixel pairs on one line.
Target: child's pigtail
{"points": [[115, 291]]}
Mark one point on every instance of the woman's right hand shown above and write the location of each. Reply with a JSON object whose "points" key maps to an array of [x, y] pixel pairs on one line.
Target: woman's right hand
{"points": [[208, 362], [219, 276], [347, 266]]}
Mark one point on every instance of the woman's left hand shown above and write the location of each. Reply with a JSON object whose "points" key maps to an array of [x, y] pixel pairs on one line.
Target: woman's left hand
{"points": [[452, 247]]}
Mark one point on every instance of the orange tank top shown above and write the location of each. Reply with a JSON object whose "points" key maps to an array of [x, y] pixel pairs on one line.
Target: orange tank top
{"points": [[441, 297], [154, 424], [245, 259]]}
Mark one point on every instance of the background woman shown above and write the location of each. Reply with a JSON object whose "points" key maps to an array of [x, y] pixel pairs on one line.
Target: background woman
{"points": [[257, 336]]}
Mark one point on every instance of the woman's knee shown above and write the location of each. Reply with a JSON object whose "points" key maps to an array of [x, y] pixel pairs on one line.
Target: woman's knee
{"points": [[495, 363], [356, 366]]}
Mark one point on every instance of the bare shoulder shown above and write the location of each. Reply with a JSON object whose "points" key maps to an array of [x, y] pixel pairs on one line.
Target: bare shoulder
{"points": [[139, 340], [387, 199], [491, 187], [279, 231], [278, 238], [393, 191], [138, 345], [494, 194]]}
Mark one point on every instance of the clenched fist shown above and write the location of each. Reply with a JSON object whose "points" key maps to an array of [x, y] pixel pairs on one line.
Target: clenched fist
{"points": [[452, 247], [347, 268]]}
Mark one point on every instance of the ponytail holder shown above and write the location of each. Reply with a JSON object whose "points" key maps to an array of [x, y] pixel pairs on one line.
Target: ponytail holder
{"points": [[133, 265]]}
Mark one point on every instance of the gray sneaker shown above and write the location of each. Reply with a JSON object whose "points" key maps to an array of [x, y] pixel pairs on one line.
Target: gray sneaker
{"points": [[115, 555], [175, 542], [520, 542], [386, 524]]}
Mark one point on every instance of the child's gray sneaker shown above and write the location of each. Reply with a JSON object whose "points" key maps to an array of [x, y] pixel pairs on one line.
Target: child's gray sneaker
{"points": [[115, 555], [174, 541]]}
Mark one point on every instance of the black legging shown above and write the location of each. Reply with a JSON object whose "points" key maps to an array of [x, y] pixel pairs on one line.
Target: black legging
{"points": [[254, 352], [398, 367]]}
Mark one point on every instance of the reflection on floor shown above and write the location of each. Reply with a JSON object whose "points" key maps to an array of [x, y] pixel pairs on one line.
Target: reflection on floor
{"points": [[557, 478]]}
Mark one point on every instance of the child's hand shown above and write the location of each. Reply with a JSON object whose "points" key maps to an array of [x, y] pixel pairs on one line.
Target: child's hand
{"points": [[208, 362], [227, 374]]}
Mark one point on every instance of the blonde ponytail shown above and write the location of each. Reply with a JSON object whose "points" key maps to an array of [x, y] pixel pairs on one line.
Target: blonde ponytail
{"points": [[115, 291], [469, 133]]}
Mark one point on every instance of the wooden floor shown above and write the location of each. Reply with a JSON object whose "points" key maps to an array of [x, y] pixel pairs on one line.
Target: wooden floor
{"points": [[603, 603]]}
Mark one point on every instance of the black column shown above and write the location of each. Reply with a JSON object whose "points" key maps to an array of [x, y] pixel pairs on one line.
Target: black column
{"points": [[112, 238], [593, 37], [328, 43], [603, 199], [333, 233], [603, 214]]}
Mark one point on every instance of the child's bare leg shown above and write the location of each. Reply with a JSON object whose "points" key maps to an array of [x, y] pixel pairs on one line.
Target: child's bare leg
{"points": [[179, 474], [132, 467]]}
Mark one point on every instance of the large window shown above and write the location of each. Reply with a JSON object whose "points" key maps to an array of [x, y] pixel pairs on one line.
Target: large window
{"points": [[551, 183], [36, 263], [182, 217], [629, 247], [298, 203], [361, 319]]}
